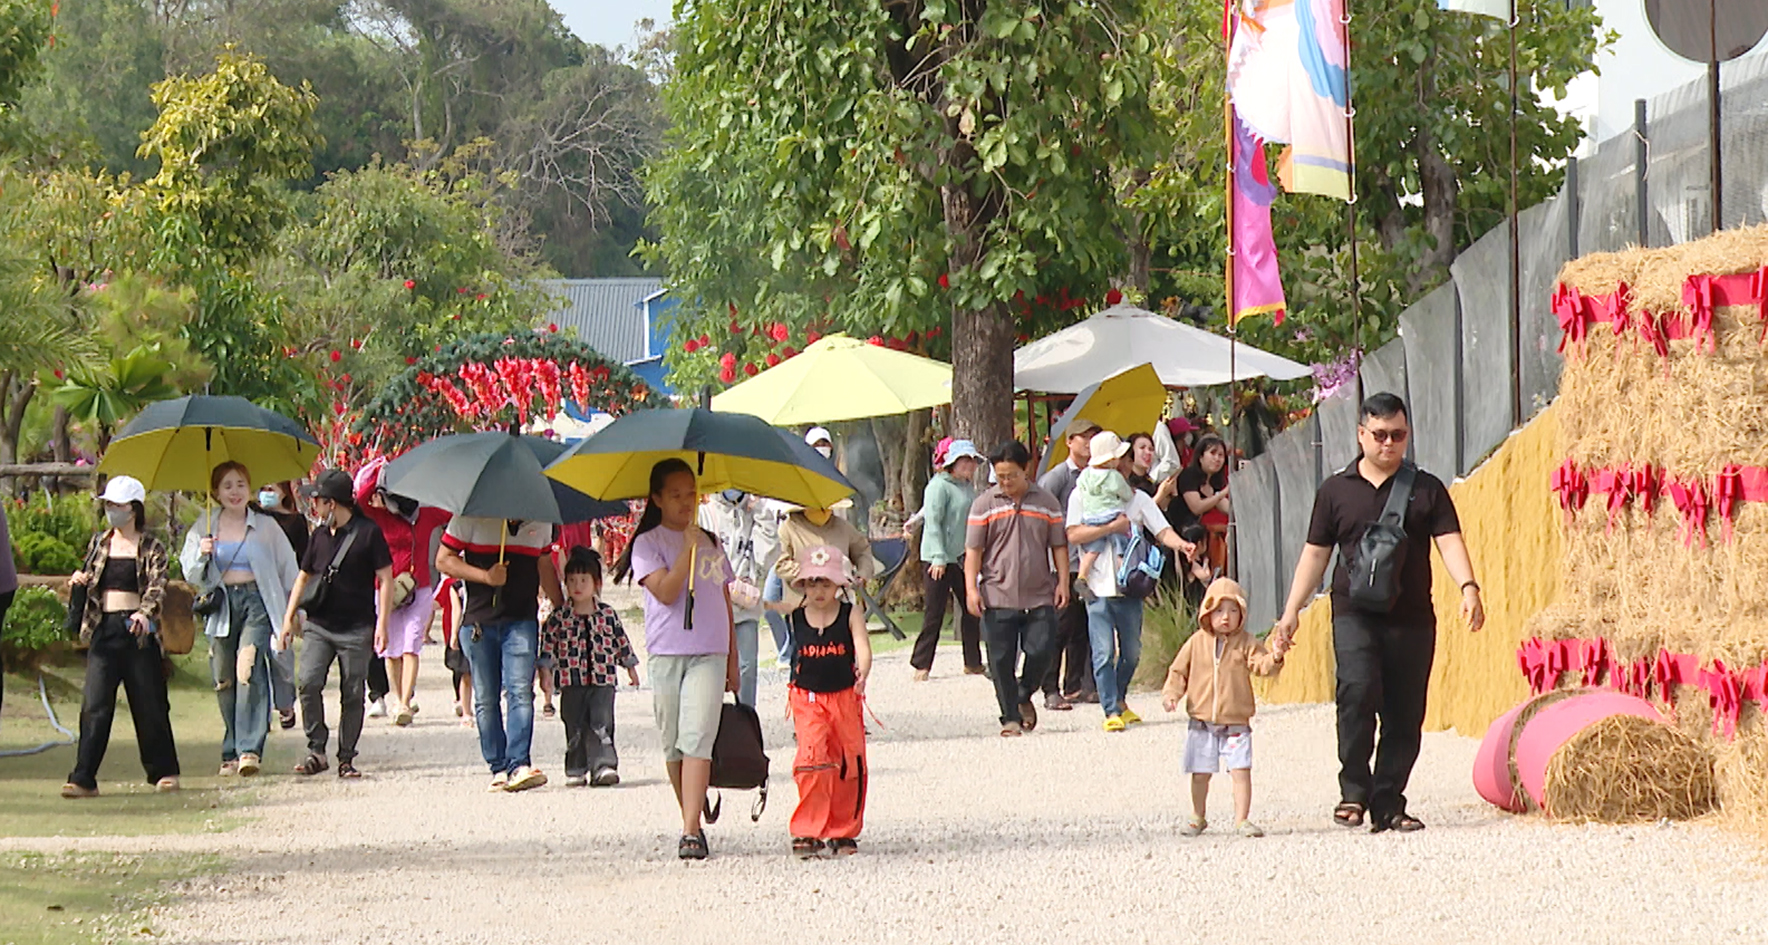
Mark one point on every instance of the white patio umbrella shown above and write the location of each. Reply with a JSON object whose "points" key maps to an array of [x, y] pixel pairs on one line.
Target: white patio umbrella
{"points": [[1123, 336]]}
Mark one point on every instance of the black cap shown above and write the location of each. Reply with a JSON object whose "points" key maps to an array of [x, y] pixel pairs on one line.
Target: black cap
{"points": [[333, 484]]}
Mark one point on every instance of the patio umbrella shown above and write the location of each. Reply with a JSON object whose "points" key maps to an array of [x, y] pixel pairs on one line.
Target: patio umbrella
{"points": [[1126, 403], [1123, 335], [840, 378], [492, 475], [725, 450], [174, 444]]}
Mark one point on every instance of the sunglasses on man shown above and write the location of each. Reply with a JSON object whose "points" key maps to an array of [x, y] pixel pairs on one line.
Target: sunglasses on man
{"points": [[1383, 436]]}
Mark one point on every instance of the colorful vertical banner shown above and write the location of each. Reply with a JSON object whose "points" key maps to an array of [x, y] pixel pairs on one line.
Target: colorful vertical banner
{"points": [[1289, 80], [1254, 282], [1499, 9]]}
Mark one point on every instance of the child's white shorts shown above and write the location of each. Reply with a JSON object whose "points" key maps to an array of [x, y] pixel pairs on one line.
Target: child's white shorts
{"points": [[1209, 748]]}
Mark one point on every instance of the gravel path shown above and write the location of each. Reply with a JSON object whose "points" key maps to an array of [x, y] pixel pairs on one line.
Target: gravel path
{"points": [[1068, 834]]}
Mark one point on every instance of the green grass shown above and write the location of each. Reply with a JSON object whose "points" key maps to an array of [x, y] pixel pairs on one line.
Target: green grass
{"points": [[85, 897]]}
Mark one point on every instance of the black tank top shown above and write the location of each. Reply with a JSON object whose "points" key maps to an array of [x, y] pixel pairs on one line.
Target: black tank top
{"points": [[120, 574], [822, 660]]}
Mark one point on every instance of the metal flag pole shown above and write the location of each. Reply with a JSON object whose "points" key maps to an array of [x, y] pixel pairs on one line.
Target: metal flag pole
{"points": [[1517, 412]]}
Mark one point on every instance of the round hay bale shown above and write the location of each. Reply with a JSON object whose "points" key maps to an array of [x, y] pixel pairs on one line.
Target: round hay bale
{"points": [[1541, 736], [1626, 768], [1494, 766]]}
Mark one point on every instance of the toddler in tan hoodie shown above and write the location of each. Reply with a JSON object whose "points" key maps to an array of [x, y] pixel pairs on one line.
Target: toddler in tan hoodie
{"points": [[1213, 674]]}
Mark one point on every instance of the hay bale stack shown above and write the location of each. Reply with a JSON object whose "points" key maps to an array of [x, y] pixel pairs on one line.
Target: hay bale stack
{"points": [[1625, 769], [1631, 578]]}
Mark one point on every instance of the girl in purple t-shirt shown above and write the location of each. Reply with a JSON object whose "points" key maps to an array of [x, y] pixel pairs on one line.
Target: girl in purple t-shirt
{"points": [[688, 635]]}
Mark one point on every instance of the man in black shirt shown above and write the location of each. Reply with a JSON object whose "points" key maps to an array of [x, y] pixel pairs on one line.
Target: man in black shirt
{"points": [[1383, 658], [349, 553]]}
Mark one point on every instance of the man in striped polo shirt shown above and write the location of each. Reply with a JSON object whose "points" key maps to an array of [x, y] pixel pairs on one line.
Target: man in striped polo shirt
{"points": [[1016, 579]]}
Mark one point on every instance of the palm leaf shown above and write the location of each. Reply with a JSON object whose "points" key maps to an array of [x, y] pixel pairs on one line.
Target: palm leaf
{"points": [[32, 343]]}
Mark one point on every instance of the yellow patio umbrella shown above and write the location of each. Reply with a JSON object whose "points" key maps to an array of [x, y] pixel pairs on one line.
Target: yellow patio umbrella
{"points": [[1127, 402], [840, 378]]}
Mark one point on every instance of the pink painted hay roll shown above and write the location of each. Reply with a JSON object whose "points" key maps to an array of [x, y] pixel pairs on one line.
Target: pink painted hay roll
{"points": [[1550, 728], [1492, 776]]}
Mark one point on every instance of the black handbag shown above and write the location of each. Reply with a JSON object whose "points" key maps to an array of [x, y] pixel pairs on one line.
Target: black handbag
{"points": [[318, 589], [212, 600], [739, 762], [1375, 561], [77, 596]]}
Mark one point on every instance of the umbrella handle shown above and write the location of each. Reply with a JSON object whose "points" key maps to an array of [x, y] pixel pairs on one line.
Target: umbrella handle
{"points": [[687, 622]]}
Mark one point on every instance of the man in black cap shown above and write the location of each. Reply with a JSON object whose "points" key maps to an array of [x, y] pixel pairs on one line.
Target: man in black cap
{"points": [[346, 557]]}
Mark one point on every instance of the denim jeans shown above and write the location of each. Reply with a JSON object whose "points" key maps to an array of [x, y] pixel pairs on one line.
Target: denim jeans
{"points": [[748, 659], [502, 656], [1114, 627], [773, 591], [239, 663]]}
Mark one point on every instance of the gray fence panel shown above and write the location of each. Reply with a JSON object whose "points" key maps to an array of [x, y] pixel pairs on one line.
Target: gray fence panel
{"points": [[1608, 213], [1546, 245], [1293, 453], [1338, 430], [1431, 333], [1256, 513], [1744, 145], [1482, 277], [1385, 370], [1678, 181]]}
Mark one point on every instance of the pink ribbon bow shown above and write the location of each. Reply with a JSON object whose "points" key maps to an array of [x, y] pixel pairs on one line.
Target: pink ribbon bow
{"points": [[1691, 500], [1595, 659], [1725, 695], [1697, 295], [1573, 489], [1573, 311], [1643, 484], [1759, 292]]}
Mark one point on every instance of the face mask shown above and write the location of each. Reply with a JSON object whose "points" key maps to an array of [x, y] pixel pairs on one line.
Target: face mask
{"points": [[269, 499], [119, 517], [827, 451], [818, 517]]}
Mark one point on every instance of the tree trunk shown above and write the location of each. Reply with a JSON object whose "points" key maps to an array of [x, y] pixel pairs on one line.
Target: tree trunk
{"points": [[16, 391], [61, 444], [887, 434], [915, 469], [982, 374]]}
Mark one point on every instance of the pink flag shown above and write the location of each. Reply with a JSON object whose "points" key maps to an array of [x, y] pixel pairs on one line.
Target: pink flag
{"points": [[1252, 252]]}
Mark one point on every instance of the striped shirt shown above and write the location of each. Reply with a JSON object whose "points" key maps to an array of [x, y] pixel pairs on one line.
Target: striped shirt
{"points": [[1016, 539]]}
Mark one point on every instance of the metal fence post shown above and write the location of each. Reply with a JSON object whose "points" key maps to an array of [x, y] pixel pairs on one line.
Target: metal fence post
{"points": [[1641, 162]]}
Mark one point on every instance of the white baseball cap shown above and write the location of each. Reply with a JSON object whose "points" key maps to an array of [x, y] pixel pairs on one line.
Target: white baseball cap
{"points": [[1107, 449], [816, 435], [122, 490]]}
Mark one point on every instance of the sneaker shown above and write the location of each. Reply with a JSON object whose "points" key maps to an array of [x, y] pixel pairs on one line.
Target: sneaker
{"points": [[499, 781], [606, 777], [1114, 723], [1194, 827], [576, 780], [228, 769], [525, 778], [1130, 717], [413, 707], [402, 717], [73, 791], [166, 785], [377, 708], [248, 765], [1247, 828]]}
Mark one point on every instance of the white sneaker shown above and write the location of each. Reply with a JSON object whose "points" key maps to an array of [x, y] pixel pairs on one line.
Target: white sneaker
{"points": [[576, 780], [499, 781], [524, 778], [377, 709]]}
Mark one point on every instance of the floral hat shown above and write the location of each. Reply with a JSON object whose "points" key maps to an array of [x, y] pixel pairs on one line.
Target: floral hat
{"points": [[821, 561]]}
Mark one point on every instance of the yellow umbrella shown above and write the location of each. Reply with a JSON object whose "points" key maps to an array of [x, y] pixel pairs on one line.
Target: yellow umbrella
{"points": [[840, 378], [1127, 402]]}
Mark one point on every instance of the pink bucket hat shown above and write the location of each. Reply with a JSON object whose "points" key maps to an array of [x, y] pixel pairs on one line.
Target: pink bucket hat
{"points": [[822, 561]]}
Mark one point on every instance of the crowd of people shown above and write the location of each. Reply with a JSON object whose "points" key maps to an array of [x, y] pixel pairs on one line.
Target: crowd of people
{"points": [[1046, 577]]}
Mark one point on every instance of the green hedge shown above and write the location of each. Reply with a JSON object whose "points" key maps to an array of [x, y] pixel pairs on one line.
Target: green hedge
{"points": [[33, 626], [48, 535]]}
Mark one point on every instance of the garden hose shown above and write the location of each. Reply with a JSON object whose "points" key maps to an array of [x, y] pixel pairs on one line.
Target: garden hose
{"points": [[43, 693]]}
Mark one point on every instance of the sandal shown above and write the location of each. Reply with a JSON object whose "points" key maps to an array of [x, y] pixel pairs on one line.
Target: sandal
{"points": [[1348, 814], [348, 770], [311, 765], [1012, 729], [692, 846], [1401, 822], [844, 846], [805, 848]]}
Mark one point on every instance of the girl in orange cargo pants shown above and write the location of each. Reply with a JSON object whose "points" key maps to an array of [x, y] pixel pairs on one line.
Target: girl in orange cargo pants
{"points": [[830, 661]]}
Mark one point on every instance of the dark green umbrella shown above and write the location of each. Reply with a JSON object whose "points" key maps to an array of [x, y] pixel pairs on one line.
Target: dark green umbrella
{"points": [[174, 444], [725, 450], [492, 475]]}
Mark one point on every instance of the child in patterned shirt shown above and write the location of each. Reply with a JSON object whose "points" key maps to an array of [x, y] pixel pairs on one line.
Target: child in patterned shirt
{"points": [[587, 646]]}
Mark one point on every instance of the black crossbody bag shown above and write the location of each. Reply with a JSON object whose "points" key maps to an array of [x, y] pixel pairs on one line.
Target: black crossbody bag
{"points": [[319, 589], [1375, 561]]}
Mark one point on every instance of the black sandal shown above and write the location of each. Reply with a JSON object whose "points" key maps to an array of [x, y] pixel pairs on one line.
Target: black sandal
{"points": [[692, 846], [1348, 814], [806, 848], [844, 846], [348, 770], [1401, 822], [311, 765]]}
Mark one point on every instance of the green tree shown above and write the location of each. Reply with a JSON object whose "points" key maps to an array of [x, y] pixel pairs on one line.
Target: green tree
{"points": [[894, 167], [24, 30], [107, 396]]}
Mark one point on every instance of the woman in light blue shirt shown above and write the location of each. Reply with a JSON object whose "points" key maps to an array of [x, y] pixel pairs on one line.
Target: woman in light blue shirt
{"points": [[247, 556]]}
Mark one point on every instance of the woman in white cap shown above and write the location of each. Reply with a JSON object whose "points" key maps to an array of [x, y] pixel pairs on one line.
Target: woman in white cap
{"points": [[124, 573], [945, 506], [818, 439]]}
